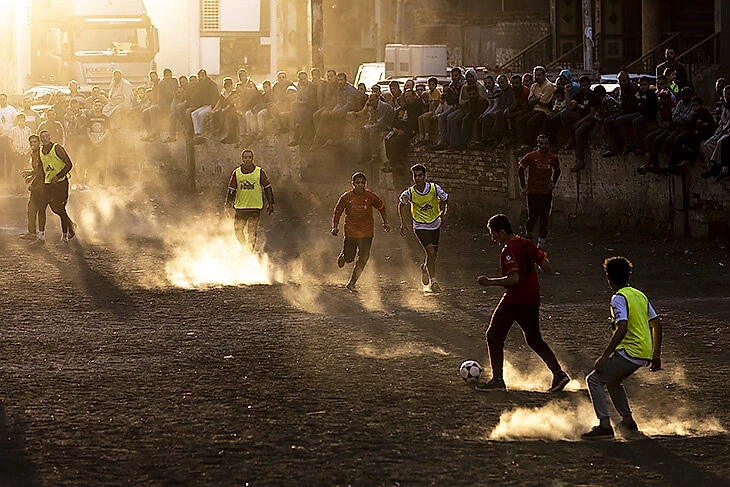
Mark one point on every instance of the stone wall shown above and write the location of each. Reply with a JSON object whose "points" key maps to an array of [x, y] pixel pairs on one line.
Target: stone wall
{"points": [[608, 195]]}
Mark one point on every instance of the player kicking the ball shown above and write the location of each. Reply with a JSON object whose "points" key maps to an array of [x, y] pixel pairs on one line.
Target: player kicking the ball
{"points": [[636, 343], [520, 303], [358, 206]]}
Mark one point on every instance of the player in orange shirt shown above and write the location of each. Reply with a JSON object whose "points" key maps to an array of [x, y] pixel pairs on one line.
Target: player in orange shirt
{"points": [[358, 206]]}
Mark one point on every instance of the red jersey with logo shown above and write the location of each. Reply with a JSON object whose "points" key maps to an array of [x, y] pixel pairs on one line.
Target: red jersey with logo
{"points": [[358, 210], [540, 167], [521, 255]]}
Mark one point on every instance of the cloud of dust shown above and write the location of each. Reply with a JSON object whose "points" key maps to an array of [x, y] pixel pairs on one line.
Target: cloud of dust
{"points": [[562, 420], [399, 351], [557, 420], [537, 378]]}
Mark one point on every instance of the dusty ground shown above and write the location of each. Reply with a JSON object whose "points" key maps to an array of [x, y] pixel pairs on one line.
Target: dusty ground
{"points": [[110, 374]]}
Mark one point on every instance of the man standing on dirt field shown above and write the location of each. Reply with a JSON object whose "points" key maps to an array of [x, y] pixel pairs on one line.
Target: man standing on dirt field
{"points": [[246, 191], [38, 201], [543, 168], [358, 206], [428, 206], [56, 168], [520, 303], [636, 343]]}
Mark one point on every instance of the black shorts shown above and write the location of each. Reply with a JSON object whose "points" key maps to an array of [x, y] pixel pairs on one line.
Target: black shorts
{"points": [[357, 246], [428, 237]]}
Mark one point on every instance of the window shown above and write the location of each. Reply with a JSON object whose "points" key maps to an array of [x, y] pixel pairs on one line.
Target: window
{"points": [[210, 15]]}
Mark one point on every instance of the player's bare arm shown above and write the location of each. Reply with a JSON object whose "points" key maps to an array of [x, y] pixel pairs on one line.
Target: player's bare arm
{"points": [[621, 329], [656, 341], [511, 279], [404, 212]]}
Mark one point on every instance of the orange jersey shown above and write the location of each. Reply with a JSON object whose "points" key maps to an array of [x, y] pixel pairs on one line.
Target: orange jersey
{"points": [[358, 213]]}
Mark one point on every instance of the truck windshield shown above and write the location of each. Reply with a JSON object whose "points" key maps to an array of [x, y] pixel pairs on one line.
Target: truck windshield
{"points": [[122, 40]]}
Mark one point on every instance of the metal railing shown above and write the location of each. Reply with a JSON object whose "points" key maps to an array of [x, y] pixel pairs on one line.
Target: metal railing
{"points": [[701, 55], [533, 55], [648, 62], [573, 59]]}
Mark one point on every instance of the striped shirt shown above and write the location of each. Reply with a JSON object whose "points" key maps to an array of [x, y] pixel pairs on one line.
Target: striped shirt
{"points": [[19, 138]]}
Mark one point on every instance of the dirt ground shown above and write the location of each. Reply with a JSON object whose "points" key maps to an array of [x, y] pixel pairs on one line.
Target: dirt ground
{"points": [[115, 370]]}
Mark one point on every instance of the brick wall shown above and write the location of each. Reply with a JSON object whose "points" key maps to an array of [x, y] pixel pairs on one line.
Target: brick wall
{"points": [[608, 195]]}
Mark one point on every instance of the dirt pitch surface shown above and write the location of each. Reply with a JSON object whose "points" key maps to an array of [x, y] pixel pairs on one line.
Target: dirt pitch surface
{"points": [[110, 377]]}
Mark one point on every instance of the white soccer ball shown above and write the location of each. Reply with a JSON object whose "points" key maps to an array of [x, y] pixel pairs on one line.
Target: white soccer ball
{"points": [[470, 369]]}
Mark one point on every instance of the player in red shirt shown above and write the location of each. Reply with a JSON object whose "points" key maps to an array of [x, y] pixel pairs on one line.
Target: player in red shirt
{"points": [[358, 206], [520, 303], [543, 171]]}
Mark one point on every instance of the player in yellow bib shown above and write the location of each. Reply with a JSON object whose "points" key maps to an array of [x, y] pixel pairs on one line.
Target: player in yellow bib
{"points": [[636, 343], [56, 168], [247, 189], [427, 204]]}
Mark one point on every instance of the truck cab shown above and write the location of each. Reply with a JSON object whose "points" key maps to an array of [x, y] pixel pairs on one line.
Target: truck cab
{"points": [[87, 40]]}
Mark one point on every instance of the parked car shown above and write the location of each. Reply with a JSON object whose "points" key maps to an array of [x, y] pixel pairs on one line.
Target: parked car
{"points": [[610, 81], [41, 96]]}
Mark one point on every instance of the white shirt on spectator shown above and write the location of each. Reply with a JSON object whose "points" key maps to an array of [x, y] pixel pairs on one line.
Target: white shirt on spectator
{"points": [[7, 119], [19, 138]]}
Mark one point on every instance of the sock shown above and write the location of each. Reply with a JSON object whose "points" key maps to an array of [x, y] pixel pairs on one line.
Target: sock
{"points": [[605, 422], [42, 236]]}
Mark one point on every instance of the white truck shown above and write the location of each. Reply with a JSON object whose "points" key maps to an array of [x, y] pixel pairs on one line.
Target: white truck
{"points": [[87, 40], [405, 61]]}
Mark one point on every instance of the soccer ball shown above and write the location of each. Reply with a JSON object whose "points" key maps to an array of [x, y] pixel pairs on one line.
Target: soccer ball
{"points": [[470, 369]]}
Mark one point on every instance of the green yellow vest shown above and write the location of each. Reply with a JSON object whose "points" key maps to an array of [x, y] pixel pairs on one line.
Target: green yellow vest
{"points": [[52, 165], [637, 342], [249, 194], [425, 208]]}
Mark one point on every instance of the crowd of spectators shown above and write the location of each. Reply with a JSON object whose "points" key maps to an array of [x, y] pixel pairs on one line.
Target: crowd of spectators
{"points": [[661, 120]]}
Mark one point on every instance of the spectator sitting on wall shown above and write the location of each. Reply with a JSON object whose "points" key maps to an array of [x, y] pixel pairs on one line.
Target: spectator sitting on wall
{"points": [[701, 126], [405, 126], [603, 106], [455, 119], [32, 118], [425, 121], [667, 131], [476, 105], [671, 75], [540, 100], [380, 121], [331, 123], [578, 107], [96, 94], [493, 119], [520, 106], [457, 82], [300, 108], [715, 153], [628, 111], [720, 85], [121, 98], [630, 127]]}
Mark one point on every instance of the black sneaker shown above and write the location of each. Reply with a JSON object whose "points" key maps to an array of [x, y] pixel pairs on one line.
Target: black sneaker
{"points": [[341, 261], [351, 287], [598, 433], [559, 382], [628, 429], [425, 278], [492, 385], [435, 287]]}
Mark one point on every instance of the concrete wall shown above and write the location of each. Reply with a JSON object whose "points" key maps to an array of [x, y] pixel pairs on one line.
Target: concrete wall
{"points": [[607, 196]]}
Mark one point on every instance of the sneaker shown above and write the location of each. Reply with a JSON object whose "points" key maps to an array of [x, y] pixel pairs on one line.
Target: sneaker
{"points": [[72, 231], [492, 385], [341, 261], [628, 429], [559, 382], [28, 236], [598, 433], [541, 243], [425, 278], [435, 287], [351, 287]]}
